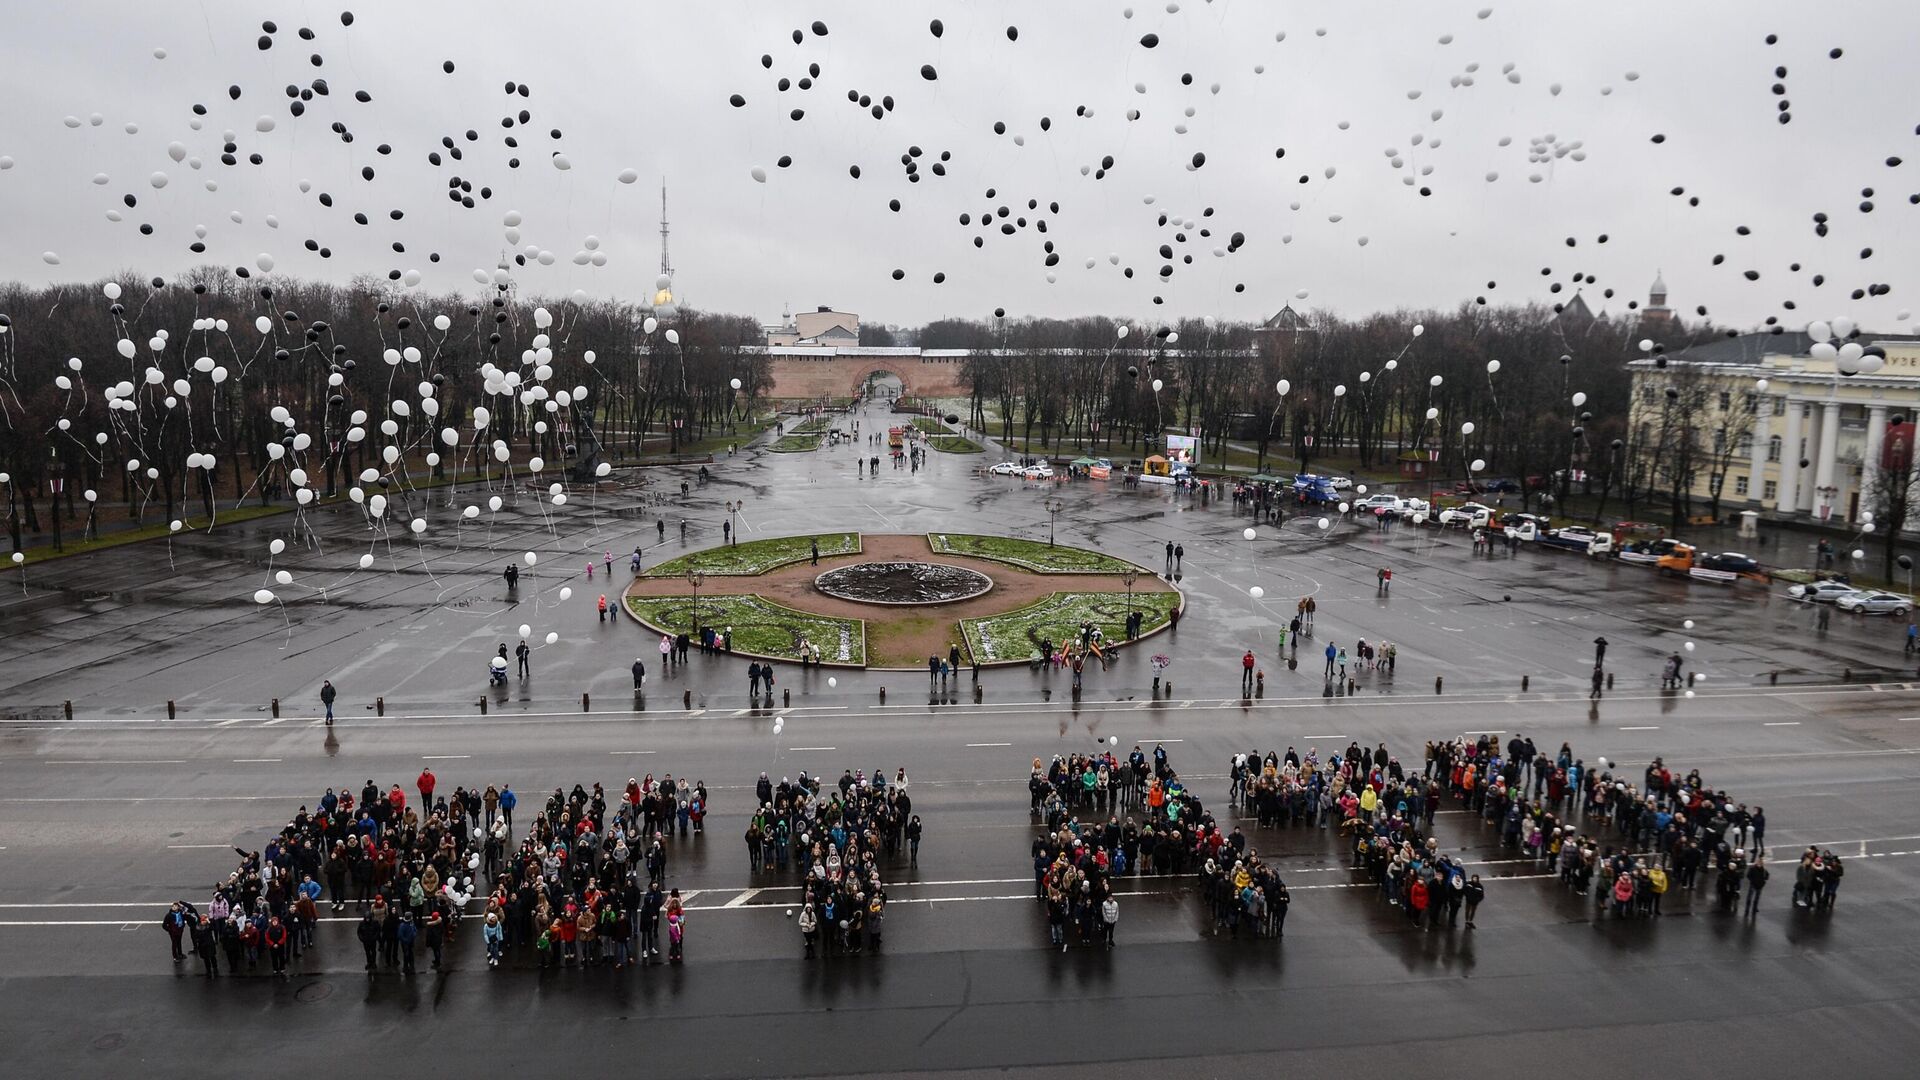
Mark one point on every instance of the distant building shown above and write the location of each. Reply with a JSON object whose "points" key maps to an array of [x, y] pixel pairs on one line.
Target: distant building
{"points": [[1657, 316], [1285, 324], [822, 326], [1781, 431]]}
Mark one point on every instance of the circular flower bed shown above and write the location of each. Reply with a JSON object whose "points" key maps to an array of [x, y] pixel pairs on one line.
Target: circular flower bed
{"points": [[903, 583]]}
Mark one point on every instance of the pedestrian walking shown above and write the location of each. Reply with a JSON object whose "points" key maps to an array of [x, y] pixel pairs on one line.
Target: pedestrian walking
{"points": [[639, 674], [1475, 892], [1169, 572], [1757, 876], [1599, 677], [1331, 654], [603, 607], [525, 655], [815, 544], [1179, 553], [1109, 919], [327, 694]]}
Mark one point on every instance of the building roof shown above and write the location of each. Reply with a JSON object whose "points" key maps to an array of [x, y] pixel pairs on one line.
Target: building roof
{"points": [[1576, 310], [1659, 284], [1754, 348], [1285, 319]]}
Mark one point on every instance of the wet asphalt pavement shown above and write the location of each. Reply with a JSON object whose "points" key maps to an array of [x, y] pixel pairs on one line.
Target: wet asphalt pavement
{"points": [[105, 818]]}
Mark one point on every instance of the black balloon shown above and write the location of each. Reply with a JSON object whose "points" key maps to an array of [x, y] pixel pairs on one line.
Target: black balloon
{"points": [[1149, 41], [936, 27], [737, 101], [927, 72]]}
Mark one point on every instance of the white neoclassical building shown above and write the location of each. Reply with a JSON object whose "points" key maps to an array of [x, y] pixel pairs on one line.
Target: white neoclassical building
{"points": [[1803, 410]]}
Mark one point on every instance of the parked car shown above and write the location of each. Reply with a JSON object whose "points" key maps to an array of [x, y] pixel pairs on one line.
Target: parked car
{"points": [[1382, 504], [1820, 592], [1863, 602], [1041, 471], [1726, 568], [1006, 468], [1412, 508], [1469, 515], [1340, 483]]}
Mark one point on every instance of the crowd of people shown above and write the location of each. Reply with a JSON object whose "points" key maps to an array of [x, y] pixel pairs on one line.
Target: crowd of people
{"points": [[1104, 818], [406, 864], [837, 837]]}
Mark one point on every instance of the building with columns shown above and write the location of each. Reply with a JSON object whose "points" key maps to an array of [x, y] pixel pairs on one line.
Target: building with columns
{"points": [[1779, 431]]}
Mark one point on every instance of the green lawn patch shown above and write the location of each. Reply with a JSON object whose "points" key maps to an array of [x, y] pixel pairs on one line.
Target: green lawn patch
{"points": [[954, 444], [757, 556], [1017, 635], [1030, 554], [796, 444], [758, 626], [810, 425], [932, 425]]}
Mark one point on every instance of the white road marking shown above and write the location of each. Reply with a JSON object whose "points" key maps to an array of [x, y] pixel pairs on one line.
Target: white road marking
{"points": [[1652, 727], [176, 847], [625, 753], [443, 757], [803, 748], [1781, 723], [975, 745], [150, 761], [1483, 733], [255, 760], [741, 900], [270, 723]]}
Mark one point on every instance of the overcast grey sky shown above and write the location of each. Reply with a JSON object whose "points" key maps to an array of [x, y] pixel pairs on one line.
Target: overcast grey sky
{"points": [[645, 86]]}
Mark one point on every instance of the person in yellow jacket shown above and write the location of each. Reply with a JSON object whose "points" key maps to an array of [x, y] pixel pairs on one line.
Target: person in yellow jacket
{"points": [[1369, 802], [1657, 878]]}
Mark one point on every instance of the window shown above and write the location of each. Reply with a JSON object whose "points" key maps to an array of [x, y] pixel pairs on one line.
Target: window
{"points": [[1773, 448], [1740, 485], [1645, 431], [1726, 400], [1753, 402], [1646, 394], [1769, 490], [1779, 406], [1719, 440], [1745, 446]]}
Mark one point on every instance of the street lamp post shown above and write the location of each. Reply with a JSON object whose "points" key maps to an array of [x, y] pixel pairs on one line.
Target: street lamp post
{"points": [[733, 524], [694, 578], [1054, 506], [1128, 579]]}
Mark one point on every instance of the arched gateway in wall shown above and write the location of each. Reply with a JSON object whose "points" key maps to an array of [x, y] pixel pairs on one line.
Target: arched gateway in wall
{"points": [[811, 372]]}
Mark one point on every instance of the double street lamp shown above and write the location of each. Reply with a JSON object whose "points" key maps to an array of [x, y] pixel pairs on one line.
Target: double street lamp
{"points": [[1054, 506], [695, 578], [733, 524]]}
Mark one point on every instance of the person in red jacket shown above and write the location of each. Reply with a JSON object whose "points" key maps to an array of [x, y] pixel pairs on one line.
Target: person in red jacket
{"points": [[1417, 899], [425, 784], [397, 802], [1246, 673], [276, 942]]}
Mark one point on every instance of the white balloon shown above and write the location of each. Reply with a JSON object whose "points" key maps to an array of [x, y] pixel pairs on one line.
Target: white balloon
{"points": [[1843, 327], [525, 629], [1324, 523], [560, 499], [494, 503], [759, 174], [1478, 465], [366, 562], [1466, 428], [263, 596], [831, 681], [531, 558], [673, 337], [1256, 592], [1157, 384], [1436, 380], [1818, 330], [1282, 387], [1418, 329], [277, 546], [566, 592], [418, 525], [1340, 391], [536, 463], [1249, 534], [283, 577], [1579, 400], [553, 636]]}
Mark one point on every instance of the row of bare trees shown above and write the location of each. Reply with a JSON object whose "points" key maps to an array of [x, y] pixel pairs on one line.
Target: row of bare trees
{"points": [[323, 358], [1495, 385]]}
